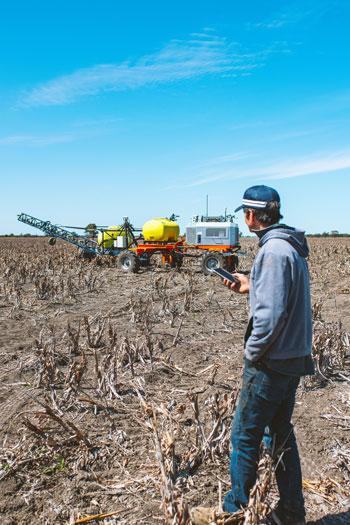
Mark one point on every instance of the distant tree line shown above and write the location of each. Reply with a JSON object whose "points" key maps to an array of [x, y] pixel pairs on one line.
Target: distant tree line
{"points": [[91, 231], [22, 235], [333, 233]]}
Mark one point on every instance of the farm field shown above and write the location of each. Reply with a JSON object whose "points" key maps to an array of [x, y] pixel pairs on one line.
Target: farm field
{"points": [[117, 390]]}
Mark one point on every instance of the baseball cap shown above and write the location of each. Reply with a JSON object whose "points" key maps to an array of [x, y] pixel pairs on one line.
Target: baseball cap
{"points": [[257, 197]]}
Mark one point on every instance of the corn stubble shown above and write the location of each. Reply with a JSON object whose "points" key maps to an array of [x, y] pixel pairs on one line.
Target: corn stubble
{"points": [[104, 391]]}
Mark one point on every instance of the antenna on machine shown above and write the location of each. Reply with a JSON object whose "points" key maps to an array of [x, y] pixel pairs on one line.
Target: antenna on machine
{"points": [[207, 212]]}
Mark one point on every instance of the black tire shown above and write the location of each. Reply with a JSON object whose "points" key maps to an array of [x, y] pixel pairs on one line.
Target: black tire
{"points": [[86, 255], [210, 261], [145, 259], [177, 260], [52, 241], [231, 263], [128, 262]]}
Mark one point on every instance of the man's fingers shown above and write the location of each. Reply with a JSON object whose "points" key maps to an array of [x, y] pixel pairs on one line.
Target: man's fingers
{"points": [[232, 285]]}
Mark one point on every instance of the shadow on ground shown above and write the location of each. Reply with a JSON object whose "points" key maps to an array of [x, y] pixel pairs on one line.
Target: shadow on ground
{"points": [[333, 519]]}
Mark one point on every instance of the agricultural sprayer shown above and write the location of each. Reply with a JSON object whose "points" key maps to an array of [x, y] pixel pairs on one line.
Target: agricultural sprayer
{"points": [[213, 239]]}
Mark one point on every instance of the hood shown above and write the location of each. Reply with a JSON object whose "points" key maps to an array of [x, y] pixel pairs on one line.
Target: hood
{"points": [[281, 231]]}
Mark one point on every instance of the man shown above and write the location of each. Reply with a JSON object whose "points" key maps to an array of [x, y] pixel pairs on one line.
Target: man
{"points": [[277, 353]]}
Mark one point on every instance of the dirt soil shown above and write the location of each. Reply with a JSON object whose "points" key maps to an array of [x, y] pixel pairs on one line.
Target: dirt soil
{"points": [[117, 389]]}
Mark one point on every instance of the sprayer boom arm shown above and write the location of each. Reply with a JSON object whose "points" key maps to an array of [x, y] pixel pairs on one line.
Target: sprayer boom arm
{"points": [[56, 231]]}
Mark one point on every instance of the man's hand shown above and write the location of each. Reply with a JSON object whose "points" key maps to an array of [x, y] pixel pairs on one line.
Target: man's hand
{"points": [[242, 286]]}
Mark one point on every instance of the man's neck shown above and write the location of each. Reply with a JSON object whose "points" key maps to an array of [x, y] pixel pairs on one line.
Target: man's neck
{"points": [[260, 232]]}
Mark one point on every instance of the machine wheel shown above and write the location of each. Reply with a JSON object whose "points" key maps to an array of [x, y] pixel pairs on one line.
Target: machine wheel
{"points": [[212, 260], [129, 262], [145, 259], [176, 261], [85, 254], [52, 241], [231, 263]]}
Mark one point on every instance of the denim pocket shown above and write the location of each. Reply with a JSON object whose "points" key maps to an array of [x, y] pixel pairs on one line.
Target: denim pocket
{"points": [[273, 387]]}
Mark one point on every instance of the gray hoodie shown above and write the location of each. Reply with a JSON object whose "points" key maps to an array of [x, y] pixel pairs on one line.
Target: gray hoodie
{"points": [[280, 321]]}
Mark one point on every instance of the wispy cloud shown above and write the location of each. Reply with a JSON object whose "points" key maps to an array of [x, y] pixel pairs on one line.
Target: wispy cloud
{"points": [[233, 157], [31, 140], [225, 159], [47, 140], [272, 23], [294, 14], [335, 101], [322, 164], [247, 125], [282, 170], [93, 123], [295, 134], [202, 54]]}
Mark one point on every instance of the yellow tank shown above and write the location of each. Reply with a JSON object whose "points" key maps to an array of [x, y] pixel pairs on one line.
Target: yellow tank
{"points": [[161, 230], [105, 238]]}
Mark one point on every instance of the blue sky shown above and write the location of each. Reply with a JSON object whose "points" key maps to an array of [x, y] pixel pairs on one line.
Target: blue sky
{"points": [[142, 109]]}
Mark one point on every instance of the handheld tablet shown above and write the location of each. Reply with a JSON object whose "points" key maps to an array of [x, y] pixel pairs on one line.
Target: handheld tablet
{"points": [[226, 275]]}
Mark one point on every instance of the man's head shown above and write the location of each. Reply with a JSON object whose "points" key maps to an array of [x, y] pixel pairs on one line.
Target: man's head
{"points": [[261, 206]]}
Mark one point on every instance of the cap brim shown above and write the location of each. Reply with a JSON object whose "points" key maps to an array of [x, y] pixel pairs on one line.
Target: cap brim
{"points": [[239, 208]]}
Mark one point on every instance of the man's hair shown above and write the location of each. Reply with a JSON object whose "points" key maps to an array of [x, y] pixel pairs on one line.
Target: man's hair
{"points": [[269, 215]]}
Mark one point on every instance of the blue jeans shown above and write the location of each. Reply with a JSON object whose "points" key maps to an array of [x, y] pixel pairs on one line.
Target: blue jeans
{"points": [[265, 407]]}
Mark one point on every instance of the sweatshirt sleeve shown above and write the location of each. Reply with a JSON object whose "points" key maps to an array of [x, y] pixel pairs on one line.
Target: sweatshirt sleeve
{"points": [[272, 281]]}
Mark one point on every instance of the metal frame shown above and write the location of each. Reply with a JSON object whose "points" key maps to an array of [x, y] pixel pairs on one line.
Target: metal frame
{"points": [[56, 231]]}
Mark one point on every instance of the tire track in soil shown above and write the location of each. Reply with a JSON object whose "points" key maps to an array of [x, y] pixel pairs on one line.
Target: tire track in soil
{"points": [[12, 406]]}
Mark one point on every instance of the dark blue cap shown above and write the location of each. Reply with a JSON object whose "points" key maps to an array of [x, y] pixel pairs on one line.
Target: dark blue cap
{"points": [[257, 197]]}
